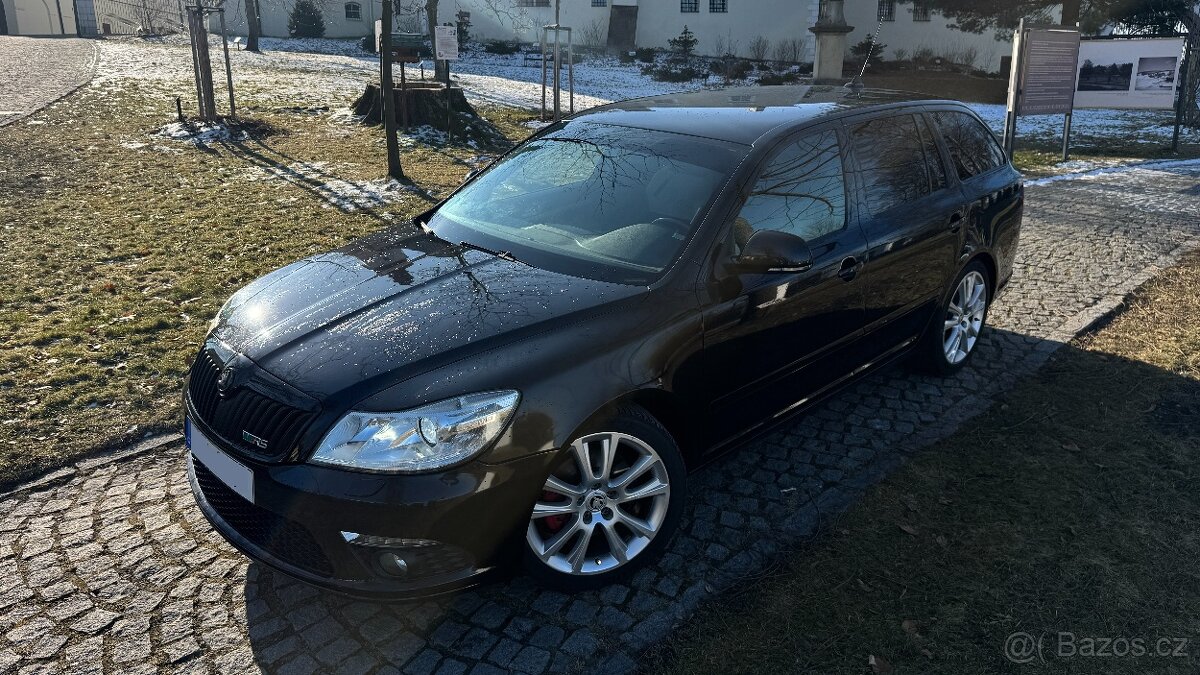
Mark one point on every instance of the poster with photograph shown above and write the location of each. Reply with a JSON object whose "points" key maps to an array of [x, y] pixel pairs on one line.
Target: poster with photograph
{"points": [[1156, 73], [1134, 73], [1104, 76]]}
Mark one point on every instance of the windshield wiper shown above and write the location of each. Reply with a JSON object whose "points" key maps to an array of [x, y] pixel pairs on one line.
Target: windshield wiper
{"points": [[503, 255]]}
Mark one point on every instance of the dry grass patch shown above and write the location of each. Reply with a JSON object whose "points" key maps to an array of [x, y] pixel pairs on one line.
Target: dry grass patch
{"points": [[120, 246]]}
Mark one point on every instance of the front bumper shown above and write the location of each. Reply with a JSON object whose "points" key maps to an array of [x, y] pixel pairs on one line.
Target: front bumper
{"points": [[454, 528]]}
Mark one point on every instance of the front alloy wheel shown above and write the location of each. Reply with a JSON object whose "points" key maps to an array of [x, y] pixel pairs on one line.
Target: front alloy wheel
{"points": [[611, 502]]}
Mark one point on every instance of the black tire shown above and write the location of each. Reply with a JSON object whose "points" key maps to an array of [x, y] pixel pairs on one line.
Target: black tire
{"points": [[931, 351], [623, 423]]}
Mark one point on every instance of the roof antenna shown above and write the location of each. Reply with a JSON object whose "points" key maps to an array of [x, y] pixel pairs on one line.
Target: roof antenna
{"points": [[856, 85]]}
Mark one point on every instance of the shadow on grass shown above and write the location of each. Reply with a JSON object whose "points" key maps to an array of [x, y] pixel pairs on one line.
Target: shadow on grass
{"points": [[1068, 505], [1066, 512], [343, 194]]}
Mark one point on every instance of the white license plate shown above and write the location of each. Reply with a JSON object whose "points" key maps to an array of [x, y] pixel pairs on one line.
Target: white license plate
{"points": [[239, 477]]}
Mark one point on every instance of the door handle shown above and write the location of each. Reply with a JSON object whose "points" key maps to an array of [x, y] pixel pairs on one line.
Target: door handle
{"points": [[849, 268], [955, 222]]}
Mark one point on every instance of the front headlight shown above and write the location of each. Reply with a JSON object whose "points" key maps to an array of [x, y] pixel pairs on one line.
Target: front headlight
{"points": [[421, 439]]}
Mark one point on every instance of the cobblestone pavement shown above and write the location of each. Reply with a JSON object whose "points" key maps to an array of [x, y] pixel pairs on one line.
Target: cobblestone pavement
{"points": [[39, 71], [115, 568]]}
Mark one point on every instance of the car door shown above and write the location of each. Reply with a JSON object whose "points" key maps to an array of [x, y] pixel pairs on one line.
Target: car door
{"points": [[991, 188], [912, 215], [771, 340]]}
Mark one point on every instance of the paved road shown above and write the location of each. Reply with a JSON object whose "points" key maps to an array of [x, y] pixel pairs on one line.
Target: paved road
{"points": [[39, 71], [117, 565]]}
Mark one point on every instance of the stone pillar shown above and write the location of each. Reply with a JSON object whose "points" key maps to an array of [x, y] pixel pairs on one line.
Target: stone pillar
{"points": [[831, 31]]}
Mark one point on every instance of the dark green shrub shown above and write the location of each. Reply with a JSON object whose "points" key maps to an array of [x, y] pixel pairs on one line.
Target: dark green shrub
{"points": [[501, 47], [645, 54], [684, 74], [790, 77]]}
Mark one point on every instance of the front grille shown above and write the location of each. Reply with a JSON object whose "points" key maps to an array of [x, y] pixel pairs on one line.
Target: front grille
{"points": [[244, 410], [285, 539]]}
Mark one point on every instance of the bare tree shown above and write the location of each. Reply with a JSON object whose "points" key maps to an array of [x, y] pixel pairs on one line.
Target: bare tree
{"points": [[759, 47], [720, 47], [592, 35], [508, 12], [150, 15], [787, 51]]}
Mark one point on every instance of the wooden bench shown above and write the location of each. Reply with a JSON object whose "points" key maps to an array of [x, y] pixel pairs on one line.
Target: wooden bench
{"points": [[536, 58]]}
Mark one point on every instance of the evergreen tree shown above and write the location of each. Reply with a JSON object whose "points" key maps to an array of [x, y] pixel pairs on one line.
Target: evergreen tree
{"points": [[306, 20], [685, 44]]}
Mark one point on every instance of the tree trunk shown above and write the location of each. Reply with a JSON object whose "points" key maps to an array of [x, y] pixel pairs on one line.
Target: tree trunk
{"points": [[253, 25], [431, 16], [1070, 13]]}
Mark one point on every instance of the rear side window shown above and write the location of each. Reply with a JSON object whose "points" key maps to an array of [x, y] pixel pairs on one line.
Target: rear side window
{"points": [[972, 148], [800, 191], [892, 161]]}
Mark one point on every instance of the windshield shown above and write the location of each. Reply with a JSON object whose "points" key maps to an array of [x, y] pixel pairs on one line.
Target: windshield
{"points": [[610, 203]]}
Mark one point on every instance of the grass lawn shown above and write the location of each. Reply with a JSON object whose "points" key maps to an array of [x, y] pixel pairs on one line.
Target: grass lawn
{"points": [[1068, 508], [119, 247]]}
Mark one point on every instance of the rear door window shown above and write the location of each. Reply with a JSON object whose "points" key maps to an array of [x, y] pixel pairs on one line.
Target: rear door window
{"points": [[972, 148], [892, 162]]}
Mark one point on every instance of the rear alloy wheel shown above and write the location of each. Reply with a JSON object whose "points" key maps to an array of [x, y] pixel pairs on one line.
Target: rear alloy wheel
{"points": [[953, 335], [964, 318], [610, 504]]}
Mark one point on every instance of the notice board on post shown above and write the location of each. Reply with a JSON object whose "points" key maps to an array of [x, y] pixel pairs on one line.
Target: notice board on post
{"points": [[445, 43], [1047, 75]]}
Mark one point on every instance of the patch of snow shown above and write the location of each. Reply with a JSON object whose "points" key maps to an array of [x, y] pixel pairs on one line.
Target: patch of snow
{"points": [[201, 133], [1139, 167]]}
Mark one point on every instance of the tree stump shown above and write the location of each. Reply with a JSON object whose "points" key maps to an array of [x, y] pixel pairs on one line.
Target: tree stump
{"points": [[424, 103]]}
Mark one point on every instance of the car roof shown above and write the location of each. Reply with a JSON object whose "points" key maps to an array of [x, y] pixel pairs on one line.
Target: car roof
{"points": [[747, 114]]}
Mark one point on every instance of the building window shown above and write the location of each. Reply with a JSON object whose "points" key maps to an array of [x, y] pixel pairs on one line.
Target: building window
{"points": [[920, 11], [599, 3], [353, 11], [887, 10], [718, 6], [689, 6], [533, 3]]}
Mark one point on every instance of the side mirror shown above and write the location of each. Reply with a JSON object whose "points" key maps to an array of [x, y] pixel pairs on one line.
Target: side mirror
{"points": [[770, 251]]}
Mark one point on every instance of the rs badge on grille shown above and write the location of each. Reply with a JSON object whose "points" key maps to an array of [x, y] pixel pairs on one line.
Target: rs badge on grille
{"points": [[254, 440]]}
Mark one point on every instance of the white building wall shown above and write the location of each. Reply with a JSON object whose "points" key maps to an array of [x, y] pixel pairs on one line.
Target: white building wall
{"points": [[39, 17], [936, 34], [275, 18], [658, 22], [745, 20]]}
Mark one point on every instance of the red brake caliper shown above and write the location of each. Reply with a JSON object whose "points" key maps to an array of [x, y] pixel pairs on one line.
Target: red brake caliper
{"points": [[553, 523]]}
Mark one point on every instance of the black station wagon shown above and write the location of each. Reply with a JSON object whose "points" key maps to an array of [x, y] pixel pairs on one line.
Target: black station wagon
{"points": [[527, 371]]}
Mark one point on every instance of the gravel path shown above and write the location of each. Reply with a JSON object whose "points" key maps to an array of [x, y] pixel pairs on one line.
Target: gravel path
{"points": [[116, 565], [39, 71]]}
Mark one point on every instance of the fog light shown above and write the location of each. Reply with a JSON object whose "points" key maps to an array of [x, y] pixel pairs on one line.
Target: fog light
{"points": [[393, 564]]}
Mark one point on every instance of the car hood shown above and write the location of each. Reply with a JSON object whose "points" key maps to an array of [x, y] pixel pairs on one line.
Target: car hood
{"points": [[393, 305]]}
